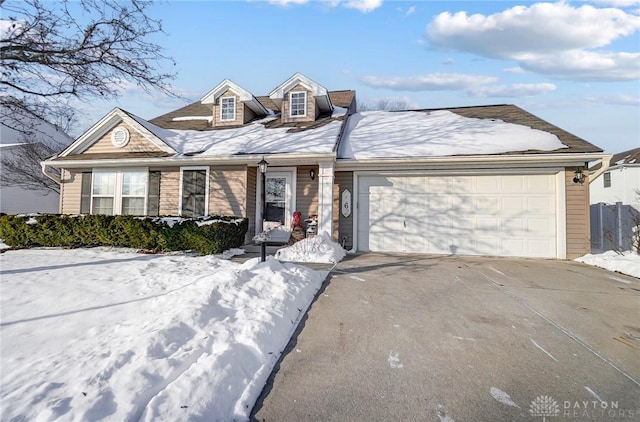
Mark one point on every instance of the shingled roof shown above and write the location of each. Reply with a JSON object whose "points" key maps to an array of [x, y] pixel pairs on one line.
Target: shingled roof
{"points": [[624, 158], [344, 99], [510, 113]]}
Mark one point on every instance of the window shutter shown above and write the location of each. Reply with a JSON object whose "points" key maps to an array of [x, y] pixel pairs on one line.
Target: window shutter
{"points": [[85, 195], [153, 201]]}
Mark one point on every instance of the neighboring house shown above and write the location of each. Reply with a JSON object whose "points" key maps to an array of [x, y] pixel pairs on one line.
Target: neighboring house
{"points": [[620, 182], [615, 203], [17, 131], [492, 180]]}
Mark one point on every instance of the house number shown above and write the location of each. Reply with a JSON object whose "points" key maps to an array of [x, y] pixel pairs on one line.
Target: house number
{"points": [[346, 203]]}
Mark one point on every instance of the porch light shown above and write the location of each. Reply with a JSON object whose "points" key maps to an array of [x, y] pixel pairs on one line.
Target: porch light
{"points": [[262, 165], [578, 176], [312, 174]]}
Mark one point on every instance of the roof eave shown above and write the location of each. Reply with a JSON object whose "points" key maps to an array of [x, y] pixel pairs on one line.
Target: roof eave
{"points": [[245, 159], [478, 161]]}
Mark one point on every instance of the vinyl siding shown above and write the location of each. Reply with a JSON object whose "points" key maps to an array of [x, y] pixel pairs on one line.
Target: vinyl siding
{"points": [[577, 206], [306, 192], [217, 122], [137, 143], [228, 191], [248, 114], [312, 111], [71, 191], [169, 191], [344, 225]]}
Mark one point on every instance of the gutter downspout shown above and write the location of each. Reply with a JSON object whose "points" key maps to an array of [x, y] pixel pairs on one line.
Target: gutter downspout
{"points": [[606, 161], [54, 178]]}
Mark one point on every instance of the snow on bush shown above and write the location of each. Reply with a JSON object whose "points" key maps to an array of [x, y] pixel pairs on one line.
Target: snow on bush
{"points": [[313, 249], [625, 263], [99, 334]]}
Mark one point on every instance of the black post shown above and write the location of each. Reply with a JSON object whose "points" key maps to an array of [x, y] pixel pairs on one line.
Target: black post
{"points": [[263, 246]]}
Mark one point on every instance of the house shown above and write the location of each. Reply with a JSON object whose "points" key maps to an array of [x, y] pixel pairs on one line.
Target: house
{"points": [[20, 135], [620, 182], [492, 180], [615, 203]]}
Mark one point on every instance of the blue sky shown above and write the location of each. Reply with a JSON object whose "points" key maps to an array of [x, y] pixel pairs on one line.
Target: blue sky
{"points": [[575, 64]]}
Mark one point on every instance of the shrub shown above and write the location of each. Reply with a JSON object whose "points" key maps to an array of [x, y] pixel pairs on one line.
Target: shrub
{"points": [[205, 235]]}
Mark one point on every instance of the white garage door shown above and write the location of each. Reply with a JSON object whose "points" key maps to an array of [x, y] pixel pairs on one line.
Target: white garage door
{"points": [[500, 215]]}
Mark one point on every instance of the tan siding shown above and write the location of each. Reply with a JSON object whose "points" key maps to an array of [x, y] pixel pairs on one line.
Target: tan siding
{"points": [[306, 192], [252, 174], [311, 106], [577, 207], [239, 119], [248, 114], [170, 191], [228, 191], [71, 191], [344, 180], [137, 143]]}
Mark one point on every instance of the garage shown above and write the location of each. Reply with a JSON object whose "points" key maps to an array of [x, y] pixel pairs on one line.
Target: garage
{"points": [[486, 214]]}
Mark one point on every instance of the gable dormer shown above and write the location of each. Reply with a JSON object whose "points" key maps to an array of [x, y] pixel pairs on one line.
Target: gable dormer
{"points": [[300, 99], [232, 105]]}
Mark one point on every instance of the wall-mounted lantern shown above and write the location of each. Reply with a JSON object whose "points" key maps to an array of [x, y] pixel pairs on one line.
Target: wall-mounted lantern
{"points": [[578, 176]]}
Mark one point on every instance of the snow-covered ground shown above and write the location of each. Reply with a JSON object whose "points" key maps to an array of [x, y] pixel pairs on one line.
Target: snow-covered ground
{"points": [[107, 334], [625, 262]]}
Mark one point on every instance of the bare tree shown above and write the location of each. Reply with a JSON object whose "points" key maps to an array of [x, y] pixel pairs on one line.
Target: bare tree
{"points": [[387, 104], [52, 52]]}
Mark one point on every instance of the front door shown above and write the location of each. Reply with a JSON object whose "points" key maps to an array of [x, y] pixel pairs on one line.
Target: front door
{"points": [[279, 190]]}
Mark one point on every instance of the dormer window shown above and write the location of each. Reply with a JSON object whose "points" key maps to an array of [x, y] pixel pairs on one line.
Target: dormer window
{"points": [[227, 108], [298, 101]]}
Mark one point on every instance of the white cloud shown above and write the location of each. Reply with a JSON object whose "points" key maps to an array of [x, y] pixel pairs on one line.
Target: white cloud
{"points": [[430, 82], [512, 91], [448, 62], [535, 36], [365, 6], [516, 69], [410, 11], [584, 65]]}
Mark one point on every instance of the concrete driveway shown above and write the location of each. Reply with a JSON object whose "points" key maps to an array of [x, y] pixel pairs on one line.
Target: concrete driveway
{"points": [[424, 338]]}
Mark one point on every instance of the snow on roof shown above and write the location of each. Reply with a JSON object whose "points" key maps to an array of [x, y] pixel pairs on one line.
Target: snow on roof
{"points": [[253, 138], [384, 134]]}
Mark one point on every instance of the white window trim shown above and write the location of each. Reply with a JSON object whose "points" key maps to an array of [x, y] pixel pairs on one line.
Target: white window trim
{"points": [[290, 104], [117, 193], [206, 189], [222, 119], [606, 180]]}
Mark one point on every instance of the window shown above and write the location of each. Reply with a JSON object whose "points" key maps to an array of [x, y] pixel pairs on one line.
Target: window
{"points": [[103, 192], [607, 180], [134, 186], [298, 103], [193, 196], [228, 108], [118, 192]]}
